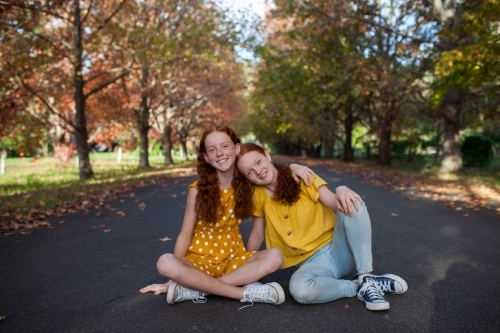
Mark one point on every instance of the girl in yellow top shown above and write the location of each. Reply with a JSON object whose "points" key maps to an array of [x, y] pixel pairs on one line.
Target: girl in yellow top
{"points": [[209, 255], [299, 220]]}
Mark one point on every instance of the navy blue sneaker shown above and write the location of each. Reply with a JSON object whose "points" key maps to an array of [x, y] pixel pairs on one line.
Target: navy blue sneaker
{"points": [[390, 283], [373, 297]]}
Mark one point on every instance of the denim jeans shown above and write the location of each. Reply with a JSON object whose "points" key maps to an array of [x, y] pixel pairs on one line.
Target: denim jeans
{"points": [[321, 277]]}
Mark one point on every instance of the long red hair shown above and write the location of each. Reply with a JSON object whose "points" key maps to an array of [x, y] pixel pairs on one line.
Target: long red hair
{"points": [[207, 200], [288, 190]]}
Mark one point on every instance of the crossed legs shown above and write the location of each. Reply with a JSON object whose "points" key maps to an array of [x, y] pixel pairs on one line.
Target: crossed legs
{"points": [[321, 278], [182, 271]]}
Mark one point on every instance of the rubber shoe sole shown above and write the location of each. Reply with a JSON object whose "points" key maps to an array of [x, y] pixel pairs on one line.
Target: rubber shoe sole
{"points": [[171, 292], [279, 290]]}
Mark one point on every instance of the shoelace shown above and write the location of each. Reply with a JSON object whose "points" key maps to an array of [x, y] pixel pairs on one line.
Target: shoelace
{"points": [[256, 294], [374, 293], [184, 293], [384, 285]]}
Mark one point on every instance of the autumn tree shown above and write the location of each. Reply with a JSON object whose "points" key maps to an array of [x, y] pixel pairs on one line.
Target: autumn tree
{"points": [[178, 45], [466, 68], [73, 56]]}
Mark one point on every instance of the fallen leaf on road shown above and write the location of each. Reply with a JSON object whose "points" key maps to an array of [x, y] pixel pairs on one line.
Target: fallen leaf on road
{"points": [[413, 199], [107, 230], [98, 214], [132, 195], [102, 226], [465, 215], [174, 195], [346, 306], [41, 203], [166, 239], [122, 214], [2, 317], [142, 205], [394, 214]]}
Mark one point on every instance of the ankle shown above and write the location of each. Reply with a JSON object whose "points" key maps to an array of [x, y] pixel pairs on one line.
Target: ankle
{"points": [[361, 276]]}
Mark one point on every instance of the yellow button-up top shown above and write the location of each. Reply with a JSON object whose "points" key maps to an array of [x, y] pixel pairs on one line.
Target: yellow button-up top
{"points": [[300, 229]]}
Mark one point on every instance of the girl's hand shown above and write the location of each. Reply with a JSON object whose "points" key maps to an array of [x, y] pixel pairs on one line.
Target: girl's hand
{"points": [[344, 198], [156, 288], [303, 172]]}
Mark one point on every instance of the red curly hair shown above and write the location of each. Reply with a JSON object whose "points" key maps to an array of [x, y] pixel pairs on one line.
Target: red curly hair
{"points": [[288, 190], [207, 202]]}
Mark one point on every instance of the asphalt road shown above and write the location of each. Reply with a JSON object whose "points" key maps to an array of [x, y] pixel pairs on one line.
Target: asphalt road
{"points": [[83, 275]]}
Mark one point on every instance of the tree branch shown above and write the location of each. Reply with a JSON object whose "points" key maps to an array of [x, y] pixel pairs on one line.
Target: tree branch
{"points": [[47, 104], [107, 83], [103, 24]]}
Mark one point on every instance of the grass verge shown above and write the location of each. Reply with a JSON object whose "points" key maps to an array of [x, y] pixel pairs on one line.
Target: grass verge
{"points": [[29, 198]]}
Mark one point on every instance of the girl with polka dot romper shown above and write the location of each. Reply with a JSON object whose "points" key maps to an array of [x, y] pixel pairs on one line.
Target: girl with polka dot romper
{"points": [[209, 255]]}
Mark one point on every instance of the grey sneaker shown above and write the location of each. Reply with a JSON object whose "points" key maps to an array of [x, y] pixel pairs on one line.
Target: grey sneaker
{"points": [[373, 297], [266, 293], [390, 283], [177, 293]]}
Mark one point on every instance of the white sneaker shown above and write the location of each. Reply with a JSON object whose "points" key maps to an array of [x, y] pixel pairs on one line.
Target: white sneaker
{"points": [[177, 293], [266, 293]]}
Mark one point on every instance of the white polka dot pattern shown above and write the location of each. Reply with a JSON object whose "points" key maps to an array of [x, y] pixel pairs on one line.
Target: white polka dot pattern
{"points": [[218, 252]]}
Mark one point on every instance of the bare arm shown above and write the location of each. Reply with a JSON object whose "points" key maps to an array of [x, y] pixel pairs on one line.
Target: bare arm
{"points": [[257, 234], [341, 199], [183, 240], [303, 172]]}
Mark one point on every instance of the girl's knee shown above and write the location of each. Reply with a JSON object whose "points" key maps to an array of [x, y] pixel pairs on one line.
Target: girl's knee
{"points": [[303, 291], [166, 264], [274, 259]]}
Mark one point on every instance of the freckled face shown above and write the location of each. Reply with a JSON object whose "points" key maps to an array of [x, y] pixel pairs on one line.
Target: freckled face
{"points": [[257, 168], [221, 151]]}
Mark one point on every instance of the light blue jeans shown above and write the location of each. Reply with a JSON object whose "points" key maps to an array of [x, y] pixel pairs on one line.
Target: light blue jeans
{"points": [[321, 278]]}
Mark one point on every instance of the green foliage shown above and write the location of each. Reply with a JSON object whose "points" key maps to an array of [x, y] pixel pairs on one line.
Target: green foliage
{"points": [[476, 151]]}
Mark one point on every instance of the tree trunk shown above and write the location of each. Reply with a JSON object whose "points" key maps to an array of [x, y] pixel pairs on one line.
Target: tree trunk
{"points": [[438, 144], [143, 122], [452, 157], [348, 126], [385, 142], [184, 149], [447, 13], [329, 144], [143, 145], [85, 169], [167, 145]]}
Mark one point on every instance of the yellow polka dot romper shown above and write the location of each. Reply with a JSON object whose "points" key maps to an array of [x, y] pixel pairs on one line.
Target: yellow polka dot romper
{"points": [[218, 248]]}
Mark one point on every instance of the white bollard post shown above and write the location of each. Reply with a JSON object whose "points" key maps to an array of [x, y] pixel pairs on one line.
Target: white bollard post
{"points": [[3, 158], [119, 157]]}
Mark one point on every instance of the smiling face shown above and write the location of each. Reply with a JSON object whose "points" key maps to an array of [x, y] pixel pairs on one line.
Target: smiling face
{"points": [[220, 151], [256, 166]]}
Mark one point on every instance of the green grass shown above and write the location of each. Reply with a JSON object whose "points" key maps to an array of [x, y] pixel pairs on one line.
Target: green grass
{"points": [[30, 187], [25, 174]]}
